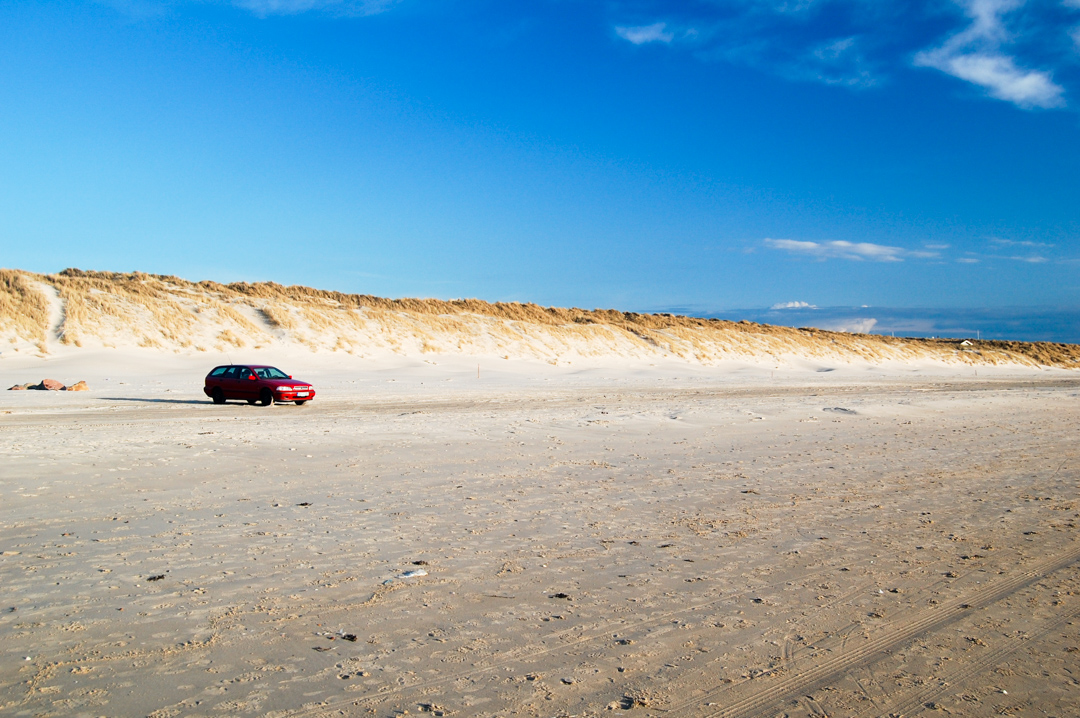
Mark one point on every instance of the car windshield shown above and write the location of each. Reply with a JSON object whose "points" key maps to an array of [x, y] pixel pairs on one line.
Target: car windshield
{"points": [[269, 372]]}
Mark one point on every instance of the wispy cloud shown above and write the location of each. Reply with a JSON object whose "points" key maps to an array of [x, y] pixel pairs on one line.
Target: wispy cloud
{"points": [[840, 249], [1014, 243], [975, 55], [789, 38], [793, 305], [262, 8], [1009, 48], [657, 32], [295, 7]]}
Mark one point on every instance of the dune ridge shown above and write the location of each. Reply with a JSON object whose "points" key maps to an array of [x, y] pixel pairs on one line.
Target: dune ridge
{"points": [[90, 309]]}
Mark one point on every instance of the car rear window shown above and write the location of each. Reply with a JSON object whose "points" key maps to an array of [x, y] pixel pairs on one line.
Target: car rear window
{"points": [[219, 371]]}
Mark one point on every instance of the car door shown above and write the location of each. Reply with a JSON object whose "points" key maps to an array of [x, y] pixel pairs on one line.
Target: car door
{"points": [[229, 383], [215, 378], [247, 384]]}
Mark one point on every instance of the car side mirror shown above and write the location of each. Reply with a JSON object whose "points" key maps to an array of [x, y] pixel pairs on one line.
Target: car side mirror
{"points": [[290, 376], [252, 377]]}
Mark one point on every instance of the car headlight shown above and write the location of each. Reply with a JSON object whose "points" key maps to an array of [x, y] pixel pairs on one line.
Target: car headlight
{"points": [[285, 388]]}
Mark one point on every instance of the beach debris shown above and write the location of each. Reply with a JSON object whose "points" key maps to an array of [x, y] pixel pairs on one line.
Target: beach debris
{"points": [[564, 596], [156, 577], [630, 701], [350, 637], [433, 709], [50, 385], [408, 574], [840, 410], [304, 503], [322, 649]]}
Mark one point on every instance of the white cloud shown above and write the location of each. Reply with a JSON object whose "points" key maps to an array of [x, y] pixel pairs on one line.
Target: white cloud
{"points": [[851, 326], [657, 32], [793, 305], [936, 246], [295, 7], [1002, 78], [837, 62], [1013, 243], [840, 249], [967, 260], [975, 55]]}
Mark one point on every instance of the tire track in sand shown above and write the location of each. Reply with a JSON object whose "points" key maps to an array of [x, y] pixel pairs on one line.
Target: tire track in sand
{"points": [[914, 702], [560, 641], [896, 633]]}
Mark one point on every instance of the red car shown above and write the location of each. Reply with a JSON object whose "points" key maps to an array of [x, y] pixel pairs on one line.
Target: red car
{"points": [[255, 383]]}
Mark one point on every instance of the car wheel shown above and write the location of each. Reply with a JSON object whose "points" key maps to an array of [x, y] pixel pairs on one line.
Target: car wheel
{"points": [[251, 401], [266, 398], [217, 396], [302, 402]]}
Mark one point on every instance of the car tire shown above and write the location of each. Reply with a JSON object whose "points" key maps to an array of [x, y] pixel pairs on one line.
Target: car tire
{"points": [[251, 401], [301, 402], [217, 395], [266, 398]]}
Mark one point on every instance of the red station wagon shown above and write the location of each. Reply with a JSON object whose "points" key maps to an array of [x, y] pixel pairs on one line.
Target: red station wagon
{"points": [[255, 383]]}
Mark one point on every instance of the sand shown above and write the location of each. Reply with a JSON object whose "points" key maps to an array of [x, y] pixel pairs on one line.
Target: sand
{"points": [[655, 539]]}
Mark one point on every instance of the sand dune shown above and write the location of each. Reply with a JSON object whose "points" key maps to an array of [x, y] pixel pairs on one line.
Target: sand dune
{"points": [[76, 309]]}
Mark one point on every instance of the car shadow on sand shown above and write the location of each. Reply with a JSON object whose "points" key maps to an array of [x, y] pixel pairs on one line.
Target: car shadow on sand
{"points": [[156, 401]]}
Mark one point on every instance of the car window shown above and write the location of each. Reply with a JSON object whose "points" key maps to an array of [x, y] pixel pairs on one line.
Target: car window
{"points": [[243, 372], [219, 371], [230, 372], [269, 372]]}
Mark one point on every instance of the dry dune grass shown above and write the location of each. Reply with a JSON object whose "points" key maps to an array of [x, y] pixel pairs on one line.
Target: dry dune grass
{"points": [[168, 312], [24, 312]]}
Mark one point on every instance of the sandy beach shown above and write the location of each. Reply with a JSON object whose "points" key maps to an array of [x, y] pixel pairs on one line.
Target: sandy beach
{"points": [[541, 542]]}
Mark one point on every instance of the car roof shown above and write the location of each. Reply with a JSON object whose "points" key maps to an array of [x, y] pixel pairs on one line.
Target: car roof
{"points": [[249, 366]]}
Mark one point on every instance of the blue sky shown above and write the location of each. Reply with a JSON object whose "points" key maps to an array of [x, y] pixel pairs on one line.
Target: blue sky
{"points": [[708, 155]]}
